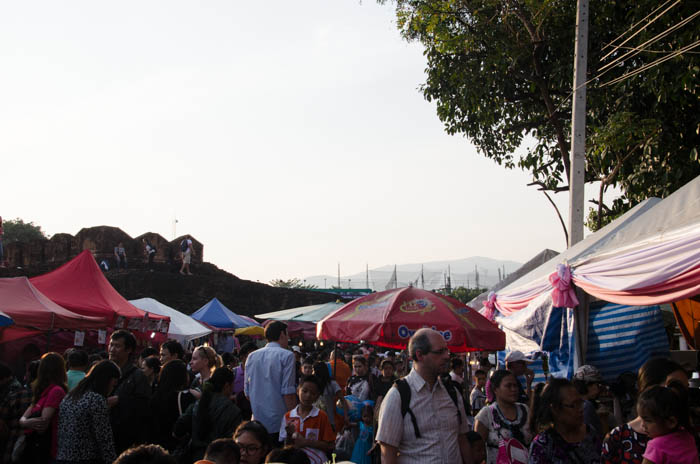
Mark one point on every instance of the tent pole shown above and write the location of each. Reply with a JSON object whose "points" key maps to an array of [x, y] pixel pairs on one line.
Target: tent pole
{"points": [[581, 328], [335, 358]]}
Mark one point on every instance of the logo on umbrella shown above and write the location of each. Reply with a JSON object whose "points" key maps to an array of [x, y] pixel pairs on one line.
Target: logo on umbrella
{"points": [[376, 304], [419, 305]]}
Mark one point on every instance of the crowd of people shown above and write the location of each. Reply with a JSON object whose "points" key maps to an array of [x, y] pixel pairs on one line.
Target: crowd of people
{"points": [[282, 403]]}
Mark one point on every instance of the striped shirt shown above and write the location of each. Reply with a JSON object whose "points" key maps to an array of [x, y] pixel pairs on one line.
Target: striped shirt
{"points": [[437, 421]]}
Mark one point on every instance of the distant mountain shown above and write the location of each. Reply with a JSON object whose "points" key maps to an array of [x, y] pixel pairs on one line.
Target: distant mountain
{"points": [[463, 272]]}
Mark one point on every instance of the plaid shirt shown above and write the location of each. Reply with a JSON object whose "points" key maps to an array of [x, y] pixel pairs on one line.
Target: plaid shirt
{"points": [[14, 400]]}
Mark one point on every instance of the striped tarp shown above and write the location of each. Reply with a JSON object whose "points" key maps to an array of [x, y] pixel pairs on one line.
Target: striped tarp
{"points": [[621, 338]]}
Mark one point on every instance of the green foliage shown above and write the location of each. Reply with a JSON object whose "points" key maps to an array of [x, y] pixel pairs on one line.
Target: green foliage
{"points": [[291, 283], [465, 295], [500, 73], [16, 230]]}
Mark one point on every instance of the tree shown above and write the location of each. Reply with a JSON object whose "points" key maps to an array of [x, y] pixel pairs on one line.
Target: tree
{"points": [[291, 283], [500, 73], [16, 230], [465, 295]]}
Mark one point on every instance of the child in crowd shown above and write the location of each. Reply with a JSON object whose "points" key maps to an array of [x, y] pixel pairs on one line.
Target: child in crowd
{"points": [[307, 366], [361, 453], [306, 426], [664, 413]]}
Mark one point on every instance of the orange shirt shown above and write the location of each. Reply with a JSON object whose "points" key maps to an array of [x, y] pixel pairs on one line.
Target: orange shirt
{"points": [[315, 426], [342, 373]]}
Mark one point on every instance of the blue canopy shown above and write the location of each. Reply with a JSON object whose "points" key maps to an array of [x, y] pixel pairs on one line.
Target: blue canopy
{"points": [[216, 314], [5, 320]]}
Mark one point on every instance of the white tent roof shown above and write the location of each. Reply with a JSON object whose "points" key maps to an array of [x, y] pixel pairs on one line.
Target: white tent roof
{"points": [[182, 327], [651, 222]]}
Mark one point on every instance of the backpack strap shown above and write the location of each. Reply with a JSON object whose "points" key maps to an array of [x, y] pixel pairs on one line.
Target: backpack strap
{"points": [[405, 392], [452, 391]]}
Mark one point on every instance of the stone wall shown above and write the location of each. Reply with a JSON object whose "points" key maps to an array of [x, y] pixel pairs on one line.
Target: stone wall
{"points": [[100, 240]]}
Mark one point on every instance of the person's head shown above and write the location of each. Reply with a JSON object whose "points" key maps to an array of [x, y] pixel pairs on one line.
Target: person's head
{"points": [[172, 377], [654, 372], [145, 353], [120, 245], [151, 367], [52, 371], [429, 351], [663, 409], [170, 350], [504, 386], [347, 356], [480, 377], [516, 362], [298, 355], [309, 390], [288, 455], [677, 373], [220, 383], [320, 371], [359, 365], [277, 332], [588, 381], [457, 366], [477, 445], [307, 366], [78, 360], [367, 414], [145, 454], [246, 349], [253, 441], [101, 379], [388, 369], [121, 345], [223, 451], [559, 404], [204, 359]]}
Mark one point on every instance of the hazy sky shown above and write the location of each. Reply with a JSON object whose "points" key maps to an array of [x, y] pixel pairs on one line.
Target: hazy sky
{"points": [[286, 136]]}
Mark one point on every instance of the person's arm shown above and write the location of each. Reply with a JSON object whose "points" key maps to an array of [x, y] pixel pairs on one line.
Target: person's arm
{"points": [[390, 454], [481, 429], [288, 387], [290, 401], [102, 430], [35, 423], [465, 449]]}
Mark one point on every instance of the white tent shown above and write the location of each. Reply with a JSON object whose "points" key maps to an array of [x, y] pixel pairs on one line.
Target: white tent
{"points": [[182, 327]]}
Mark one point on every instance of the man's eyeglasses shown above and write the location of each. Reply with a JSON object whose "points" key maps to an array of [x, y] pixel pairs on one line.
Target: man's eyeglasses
{"points": [[248, 449]]}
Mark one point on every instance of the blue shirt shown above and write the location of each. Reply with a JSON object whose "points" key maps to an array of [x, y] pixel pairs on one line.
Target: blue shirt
{"points": [[269, 374], [74, 378]]}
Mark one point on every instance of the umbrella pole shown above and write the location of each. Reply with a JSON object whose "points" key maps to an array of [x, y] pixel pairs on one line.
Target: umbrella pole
{"points": [[335, 358]]}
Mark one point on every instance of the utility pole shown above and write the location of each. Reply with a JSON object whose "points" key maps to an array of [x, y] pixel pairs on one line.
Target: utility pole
{"points": [[366, 275], [578, 127], [338, 275]]}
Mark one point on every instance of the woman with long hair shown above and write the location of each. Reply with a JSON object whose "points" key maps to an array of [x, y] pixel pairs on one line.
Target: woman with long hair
{"points": [[213, 416], [169, 401], [85, 432], [562, 437], [41, 418], [253, 441], [204, 361], [505, 418]]}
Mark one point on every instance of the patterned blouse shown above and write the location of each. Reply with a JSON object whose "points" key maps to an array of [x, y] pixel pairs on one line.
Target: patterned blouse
{"points": [[624, 446], [85, 432], [550, 448]]}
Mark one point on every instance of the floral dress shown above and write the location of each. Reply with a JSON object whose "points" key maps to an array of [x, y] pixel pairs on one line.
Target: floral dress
{"points": [[624, 446], [549, 447]]}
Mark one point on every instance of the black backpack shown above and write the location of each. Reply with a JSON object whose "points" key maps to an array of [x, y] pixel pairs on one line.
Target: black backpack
{"points": [[405, 392], [183, 245]]}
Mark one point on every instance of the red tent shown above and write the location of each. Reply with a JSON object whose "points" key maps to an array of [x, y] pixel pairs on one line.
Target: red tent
{"points": [[29, 308], [80, 286]]}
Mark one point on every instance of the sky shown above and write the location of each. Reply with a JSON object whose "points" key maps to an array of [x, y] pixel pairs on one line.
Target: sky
{"points": [[285, 136]]}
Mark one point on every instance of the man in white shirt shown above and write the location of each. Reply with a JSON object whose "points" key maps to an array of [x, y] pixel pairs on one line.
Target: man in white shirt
{"points": [[442, 425]]}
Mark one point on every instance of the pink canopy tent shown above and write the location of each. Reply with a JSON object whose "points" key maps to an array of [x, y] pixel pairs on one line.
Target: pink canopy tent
{"points": [[80, 287]]}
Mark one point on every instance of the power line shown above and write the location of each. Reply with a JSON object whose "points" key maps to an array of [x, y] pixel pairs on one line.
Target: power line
{"points": [[635, 25], [651, 41], [652, 64]]}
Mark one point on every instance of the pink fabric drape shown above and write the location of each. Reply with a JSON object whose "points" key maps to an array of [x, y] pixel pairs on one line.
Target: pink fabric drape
{"points": [[563, 294]]}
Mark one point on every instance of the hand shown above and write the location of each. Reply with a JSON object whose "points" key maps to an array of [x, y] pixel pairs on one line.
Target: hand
{"points": [[290, 429], [529, 376], [37, 423], [299, 441], [112, 401]]}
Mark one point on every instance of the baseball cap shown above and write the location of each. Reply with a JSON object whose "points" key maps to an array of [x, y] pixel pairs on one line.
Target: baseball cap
{"points": [[588, 373], [296, 349], [516, 355]]}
